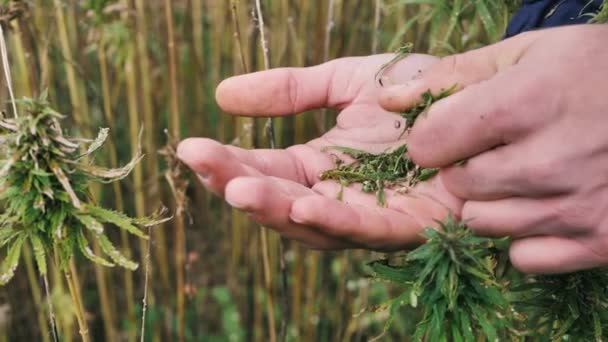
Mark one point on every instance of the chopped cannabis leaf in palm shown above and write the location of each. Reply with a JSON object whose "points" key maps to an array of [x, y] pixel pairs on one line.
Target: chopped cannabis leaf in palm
{"points": [[44, 183], [376, 172], [452, 278]]}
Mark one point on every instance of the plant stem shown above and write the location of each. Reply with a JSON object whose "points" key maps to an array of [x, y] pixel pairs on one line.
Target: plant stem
{"points": [[150, 138], [36, 293], [144, 303], [174, 128], [78, 108], [268, 285], [269, 128], [376, 32], [49, 303], [104, 298], [70, 276], [118, 197], [138, 183]]}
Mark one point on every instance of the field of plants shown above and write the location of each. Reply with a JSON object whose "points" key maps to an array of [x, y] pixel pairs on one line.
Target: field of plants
{"points": [[127, 270]]}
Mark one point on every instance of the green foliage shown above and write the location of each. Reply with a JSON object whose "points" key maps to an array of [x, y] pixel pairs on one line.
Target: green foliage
{"points": [[566, 307], [421, 108], [602, 16], [458, 25], [376, 172], [44, 182], [453, 278]]}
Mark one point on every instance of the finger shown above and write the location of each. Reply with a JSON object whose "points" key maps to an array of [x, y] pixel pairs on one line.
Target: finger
{"points": [[300, 163], [334, 84], [280, 91], [214, 164], [268, 201], [550, 254], [528, 168], [481, 117], [461, 70], [374, 227], [524, 217]]}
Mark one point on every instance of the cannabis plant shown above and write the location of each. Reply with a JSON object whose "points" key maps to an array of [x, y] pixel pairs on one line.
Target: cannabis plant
{"points": [[45, 179], [453, 278]]}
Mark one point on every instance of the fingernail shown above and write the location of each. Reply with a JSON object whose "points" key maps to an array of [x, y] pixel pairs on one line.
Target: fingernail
{"points": [[236, 204], [203, 176], [296, 219]]}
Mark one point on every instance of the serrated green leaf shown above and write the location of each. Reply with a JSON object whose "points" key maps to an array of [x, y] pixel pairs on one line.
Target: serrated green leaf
{"points": [[384, 271], [90, 223], [480, 317], [7, 234], [39, 253], [83, 245], [108, 248], [118, 219], [11, 262]]}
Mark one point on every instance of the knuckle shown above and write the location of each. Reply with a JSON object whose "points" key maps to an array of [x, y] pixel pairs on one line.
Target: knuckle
{"points": [[541, 173], [450, 64], [575, 215], [293, 90]]}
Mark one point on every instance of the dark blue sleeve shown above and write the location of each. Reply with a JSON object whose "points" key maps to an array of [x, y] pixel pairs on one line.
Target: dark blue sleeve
{"points": [[535, 14]]}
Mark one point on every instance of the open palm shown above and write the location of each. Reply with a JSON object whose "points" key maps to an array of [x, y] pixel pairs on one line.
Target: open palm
{"points": [[281, 189]]}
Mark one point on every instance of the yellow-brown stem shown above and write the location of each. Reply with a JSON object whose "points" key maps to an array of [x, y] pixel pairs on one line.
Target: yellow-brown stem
{"points": [[78, 107], [74, 287], [107, 313], [118, 198], [36, 293], [174, 128], [150, 138], [272, 335]]}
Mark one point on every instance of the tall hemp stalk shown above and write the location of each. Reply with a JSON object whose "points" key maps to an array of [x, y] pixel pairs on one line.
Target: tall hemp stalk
{"points": [[113, 154], [130, 73], [150, 136], [175, 174], [245, 139], [270, 134]]}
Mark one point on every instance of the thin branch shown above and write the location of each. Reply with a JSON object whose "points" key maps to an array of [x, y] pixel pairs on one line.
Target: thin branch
{"points": [[7, 70]]}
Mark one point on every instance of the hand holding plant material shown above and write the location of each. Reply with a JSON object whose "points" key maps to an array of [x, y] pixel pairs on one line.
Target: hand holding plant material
{"points": [[530, 118], [284, 190]]}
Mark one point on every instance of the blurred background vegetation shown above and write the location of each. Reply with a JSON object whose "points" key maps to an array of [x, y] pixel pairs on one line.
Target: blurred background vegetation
{"points": [[213, 275]]}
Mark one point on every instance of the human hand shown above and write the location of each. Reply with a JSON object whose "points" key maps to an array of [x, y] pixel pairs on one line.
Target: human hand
{"points": [[531, 119], [281, 189]]}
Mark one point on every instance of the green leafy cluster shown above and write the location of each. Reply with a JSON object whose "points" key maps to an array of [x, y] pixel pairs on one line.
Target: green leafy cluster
{"points": [[376, 172], [44, 183], [565, 307], [453, 278]]}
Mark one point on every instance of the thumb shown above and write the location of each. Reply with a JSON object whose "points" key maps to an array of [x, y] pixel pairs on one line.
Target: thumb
{"points": [[460, 70]]}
